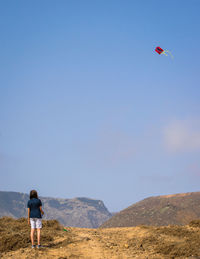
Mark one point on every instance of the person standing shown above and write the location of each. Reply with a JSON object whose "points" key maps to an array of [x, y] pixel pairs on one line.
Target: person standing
{"points": [[35, 213]]}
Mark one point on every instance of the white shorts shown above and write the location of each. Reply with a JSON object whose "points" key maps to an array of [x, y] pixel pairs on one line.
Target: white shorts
{"points": [[36, 223]]}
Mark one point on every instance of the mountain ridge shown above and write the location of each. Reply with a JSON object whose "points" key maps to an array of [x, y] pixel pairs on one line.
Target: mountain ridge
{"points": [[76, 212]]}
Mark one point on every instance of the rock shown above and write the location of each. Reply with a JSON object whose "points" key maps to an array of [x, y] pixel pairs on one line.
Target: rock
{"points": [[126, 246]]}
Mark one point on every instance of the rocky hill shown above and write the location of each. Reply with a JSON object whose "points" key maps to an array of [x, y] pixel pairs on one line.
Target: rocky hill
{"points": [[77, 212], [177, 209]]}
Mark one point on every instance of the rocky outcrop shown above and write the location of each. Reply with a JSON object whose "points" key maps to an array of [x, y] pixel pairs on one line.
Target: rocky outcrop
{"points": [[77, 212]]}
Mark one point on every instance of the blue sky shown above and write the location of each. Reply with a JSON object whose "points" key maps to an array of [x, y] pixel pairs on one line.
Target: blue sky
{"points": [[89, 109]]}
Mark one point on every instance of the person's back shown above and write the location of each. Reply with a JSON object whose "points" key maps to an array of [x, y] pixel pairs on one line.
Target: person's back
{"points": [[34, 205]]}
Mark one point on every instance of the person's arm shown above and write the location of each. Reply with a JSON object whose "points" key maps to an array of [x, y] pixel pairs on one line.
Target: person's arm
{"points": [[40, 204], [42, 212], [29, 216]]}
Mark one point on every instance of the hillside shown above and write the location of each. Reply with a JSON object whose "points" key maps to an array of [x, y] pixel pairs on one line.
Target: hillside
{"points": [[77, 212], [141, 242], [177, 209]]}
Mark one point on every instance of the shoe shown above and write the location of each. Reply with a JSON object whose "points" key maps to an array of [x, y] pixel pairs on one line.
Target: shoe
{"points": [[39, 246], [33, 246]]}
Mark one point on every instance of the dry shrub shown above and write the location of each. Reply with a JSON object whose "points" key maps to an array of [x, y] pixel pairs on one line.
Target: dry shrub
{"points": [[15, 234], [195, 223], [175, 231], [178, 249], [173, 241], [52, 224]]}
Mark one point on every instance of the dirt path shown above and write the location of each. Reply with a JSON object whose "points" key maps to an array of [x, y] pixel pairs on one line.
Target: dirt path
{"points": [[116, 243], [87, 244]]}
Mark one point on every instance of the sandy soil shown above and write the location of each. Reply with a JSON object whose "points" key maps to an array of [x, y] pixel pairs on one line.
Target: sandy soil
{"points": [[117, 243]]}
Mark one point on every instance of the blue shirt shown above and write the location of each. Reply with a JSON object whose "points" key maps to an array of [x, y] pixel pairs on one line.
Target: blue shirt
{"points": [[34, 206]]}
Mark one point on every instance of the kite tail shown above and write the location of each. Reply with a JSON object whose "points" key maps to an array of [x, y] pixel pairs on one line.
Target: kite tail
{"points": [[164, 53], [167, 51]]}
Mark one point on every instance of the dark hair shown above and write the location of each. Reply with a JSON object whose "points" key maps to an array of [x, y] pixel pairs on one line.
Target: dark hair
{"points": [[33, 194]]}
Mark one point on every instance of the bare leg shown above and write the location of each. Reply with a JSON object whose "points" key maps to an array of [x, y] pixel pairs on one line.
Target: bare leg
{"points": [[38, 235], [32, 236]]}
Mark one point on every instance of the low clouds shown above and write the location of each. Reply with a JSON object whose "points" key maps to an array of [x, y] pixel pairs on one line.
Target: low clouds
{"points": [[182, 136]]}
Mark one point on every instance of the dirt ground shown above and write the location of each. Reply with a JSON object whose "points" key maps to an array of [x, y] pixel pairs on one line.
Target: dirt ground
{"points": [[140, 242]]}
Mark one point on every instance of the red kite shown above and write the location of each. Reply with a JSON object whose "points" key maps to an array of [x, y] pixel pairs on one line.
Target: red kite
{"points": [[159, 50]]}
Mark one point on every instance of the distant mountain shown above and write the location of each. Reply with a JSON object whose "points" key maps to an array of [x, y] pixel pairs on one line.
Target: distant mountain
{"points": [[177, 209], [77, 212]]}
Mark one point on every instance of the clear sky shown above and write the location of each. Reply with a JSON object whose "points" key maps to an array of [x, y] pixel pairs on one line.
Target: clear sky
{"points": [[89, 109]]}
